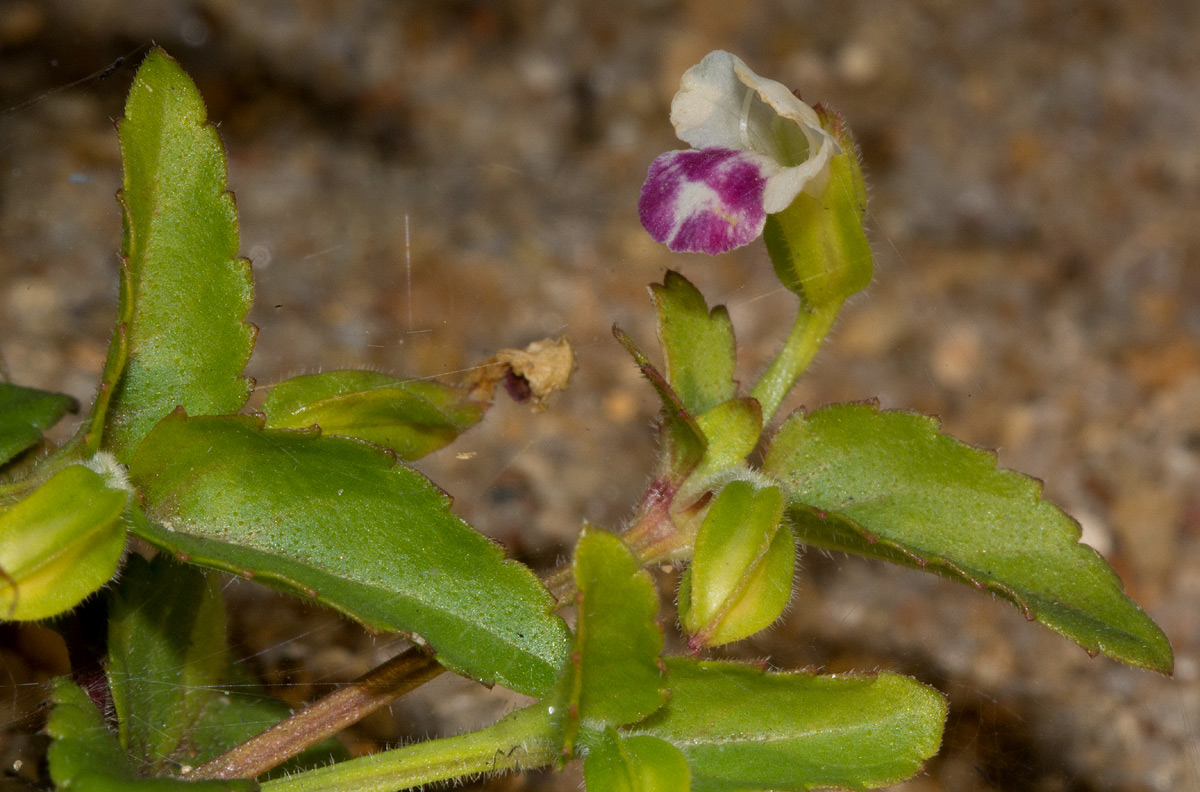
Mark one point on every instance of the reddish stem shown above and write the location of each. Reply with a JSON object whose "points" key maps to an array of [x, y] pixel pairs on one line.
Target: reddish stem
{"points": [[325, 717]]}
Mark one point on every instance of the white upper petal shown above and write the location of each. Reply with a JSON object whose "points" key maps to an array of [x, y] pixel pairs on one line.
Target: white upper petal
{"points": [[721, 103]]}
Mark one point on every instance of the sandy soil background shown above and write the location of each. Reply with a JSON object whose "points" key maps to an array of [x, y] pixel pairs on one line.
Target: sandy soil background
{"points": [[423, 183]]}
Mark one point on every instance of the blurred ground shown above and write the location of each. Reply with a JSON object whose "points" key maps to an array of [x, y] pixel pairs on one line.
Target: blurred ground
{"points": [[1035, 179]]}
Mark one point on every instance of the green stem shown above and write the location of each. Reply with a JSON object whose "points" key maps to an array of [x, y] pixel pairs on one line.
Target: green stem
{"points": [[92, 430], [86, 441], [802, 344], [524, 739], [42, 470]]}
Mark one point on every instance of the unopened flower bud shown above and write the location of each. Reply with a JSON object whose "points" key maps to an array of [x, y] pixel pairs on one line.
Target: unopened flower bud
{"points": [[59, 544], [741, 573]]}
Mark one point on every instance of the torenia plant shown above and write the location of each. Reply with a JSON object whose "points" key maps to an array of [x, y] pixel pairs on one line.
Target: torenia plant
{"points": [[171, 481]]}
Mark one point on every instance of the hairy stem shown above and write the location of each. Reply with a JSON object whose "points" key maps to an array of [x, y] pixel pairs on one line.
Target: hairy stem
{"points": [[561, 583], [802, 344], [522, 740], [323, 718]]}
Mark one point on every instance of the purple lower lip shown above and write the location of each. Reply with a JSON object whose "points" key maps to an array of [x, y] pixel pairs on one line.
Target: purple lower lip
{"points": [[705, 200]]}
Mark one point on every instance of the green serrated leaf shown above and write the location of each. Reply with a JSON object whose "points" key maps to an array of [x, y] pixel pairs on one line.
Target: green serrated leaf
{"points": [[411, 417], [636, 764], [337, 520], [166, 657], [180, 699], [697, 344], [25, 413], [180, 339], [613, 676], [742, 728], [59, 544], [741, 573], [82, 743], [889, 485], [683, 442], [86, 757]]}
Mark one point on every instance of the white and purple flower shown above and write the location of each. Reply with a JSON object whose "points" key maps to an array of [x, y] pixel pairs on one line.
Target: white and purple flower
{"points": [[755, 148]]}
